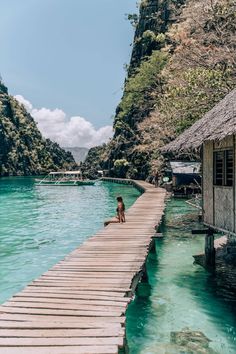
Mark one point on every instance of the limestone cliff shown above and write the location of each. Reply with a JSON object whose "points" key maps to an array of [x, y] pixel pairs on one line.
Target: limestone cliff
{"points": [[183, 62], [23, 150]]}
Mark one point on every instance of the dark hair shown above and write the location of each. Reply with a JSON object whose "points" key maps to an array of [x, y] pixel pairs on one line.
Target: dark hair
{"points": [[119, 199]]}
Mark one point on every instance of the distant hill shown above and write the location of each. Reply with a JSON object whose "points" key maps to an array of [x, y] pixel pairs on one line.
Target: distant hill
{"points": [[23, 150], [79, 153]]}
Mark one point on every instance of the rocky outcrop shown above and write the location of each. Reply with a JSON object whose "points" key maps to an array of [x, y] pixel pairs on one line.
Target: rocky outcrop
{"points": [[155, 17]]}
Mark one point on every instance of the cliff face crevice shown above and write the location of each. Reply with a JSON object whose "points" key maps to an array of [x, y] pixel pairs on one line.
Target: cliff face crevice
{"points": [[23, 150]]}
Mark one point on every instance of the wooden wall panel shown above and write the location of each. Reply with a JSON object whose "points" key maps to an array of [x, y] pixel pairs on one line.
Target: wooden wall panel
{"points": [[224, 208], [228, 142], [208, 197]]}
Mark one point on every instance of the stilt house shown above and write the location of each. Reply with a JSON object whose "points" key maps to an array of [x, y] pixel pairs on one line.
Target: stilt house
{"points": [[215, 135]]}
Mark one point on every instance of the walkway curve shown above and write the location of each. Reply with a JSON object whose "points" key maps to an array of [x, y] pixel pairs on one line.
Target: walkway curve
{"points": [[79, 305]]}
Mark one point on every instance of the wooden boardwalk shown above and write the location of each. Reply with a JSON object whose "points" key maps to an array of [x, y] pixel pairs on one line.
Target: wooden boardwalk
{"points": [[79, 305]]}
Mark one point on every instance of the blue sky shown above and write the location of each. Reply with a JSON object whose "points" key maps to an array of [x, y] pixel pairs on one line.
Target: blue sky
{"points": [[67, 54]]}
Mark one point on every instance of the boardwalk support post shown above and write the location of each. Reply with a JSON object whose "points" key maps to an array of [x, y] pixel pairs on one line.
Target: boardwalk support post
{"points": [[209, 248], [209, 245], [145, 274], [125, 348]]}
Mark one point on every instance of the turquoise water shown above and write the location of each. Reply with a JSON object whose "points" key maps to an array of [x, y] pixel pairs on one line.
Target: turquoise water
{"points": [[180, 295], [39, 225]]}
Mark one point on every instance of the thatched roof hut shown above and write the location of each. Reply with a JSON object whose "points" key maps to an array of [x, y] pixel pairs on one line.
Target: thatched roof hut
{"points": [[217, 124]]}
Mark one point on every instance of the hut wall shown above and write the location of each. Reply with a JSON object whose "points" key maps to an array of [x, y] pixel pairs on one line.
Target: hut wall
{"points": [[224, 206], [218, 201], [228, 142], [208, 196]]}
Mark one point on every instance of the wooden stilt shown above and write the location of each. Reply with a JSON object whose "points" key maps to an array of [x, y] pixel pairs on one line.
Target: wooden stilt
{"points": [[209, 249]]}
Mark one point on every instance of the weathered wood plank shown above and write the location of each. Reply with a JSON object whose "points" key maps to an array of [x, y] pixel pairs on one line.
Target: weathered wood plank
{"points": [[39, 324], [68, 300], [15, 342], [59, 312], [89, 349], [72, 286], [85, 319], [64, 306], [75, 292], [81, 280], [62, 333]]}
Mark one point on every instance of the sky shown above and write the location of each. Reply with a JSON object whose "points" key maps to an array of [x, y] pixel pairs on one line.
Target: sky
{"points": [[64, 59]]}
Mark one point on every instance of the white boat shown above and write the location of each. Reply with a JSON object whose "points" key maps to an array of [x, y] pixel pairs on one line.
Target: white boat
{"points": [[64, 178]]}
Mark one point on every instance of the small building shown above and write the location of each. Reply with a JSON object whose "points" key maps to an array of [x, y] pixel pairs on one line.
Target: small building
{"points": [[215, 136], [186, 177]]}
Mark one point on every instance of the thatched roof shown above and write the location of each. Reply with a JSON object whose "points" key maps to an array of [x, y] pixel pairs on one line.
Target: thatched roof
{"points": [[217, 124]]}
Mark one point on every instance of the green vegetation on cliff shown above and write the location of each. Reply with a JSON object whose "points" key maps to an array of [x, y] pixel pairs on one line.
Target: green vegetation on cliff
{"points": [[183, 62], [23, 150], [94, 161]]}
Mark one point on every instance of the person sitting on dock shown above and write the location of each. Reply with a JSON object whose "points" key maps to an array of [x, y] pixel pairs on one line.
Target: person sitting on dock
{"points": [[120, 209], [156, 179]]}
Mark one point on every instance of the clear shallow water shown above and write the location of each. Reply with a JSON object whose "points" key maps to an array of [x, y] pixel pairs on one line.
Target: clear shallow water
{"points": [[181, 295], [39, 225]]}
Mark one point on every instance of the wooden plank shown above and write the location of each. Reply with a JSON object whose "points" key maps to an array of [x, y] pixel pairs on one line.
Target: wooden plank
{"points": [[62, 333], [72, 286], [74, 294], [98, 268], [89, 349], [88, 274], [15, 342], [64, 303], [68, 300], [39, 324], [69, 319], [59, 312], [107, 307], [78, 280]]}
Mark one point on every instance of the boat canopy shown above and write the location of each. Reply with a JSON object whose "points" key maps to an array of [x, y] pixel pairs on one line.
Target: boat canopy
{"points": [[66, 173], [72, 173]]}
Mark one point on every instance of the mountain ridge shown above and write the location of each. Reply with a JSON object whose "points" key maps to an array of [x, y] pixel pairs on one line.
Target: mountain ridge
{"points": [[79, 153]]}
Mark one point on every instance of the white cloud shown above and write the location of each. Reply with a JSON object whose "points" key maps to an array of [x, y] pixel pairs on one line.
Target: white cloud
{"points": [[75, 131], [25, 102]]}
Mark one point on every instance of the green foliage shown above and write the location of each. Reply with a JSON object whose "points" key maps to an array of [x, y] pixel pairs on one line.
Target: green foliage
{"points": [[121, 163], [143, 4], [161, 38], [121, 167], [138, 98], [133, 18], [201, 88], [94, 162]]}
